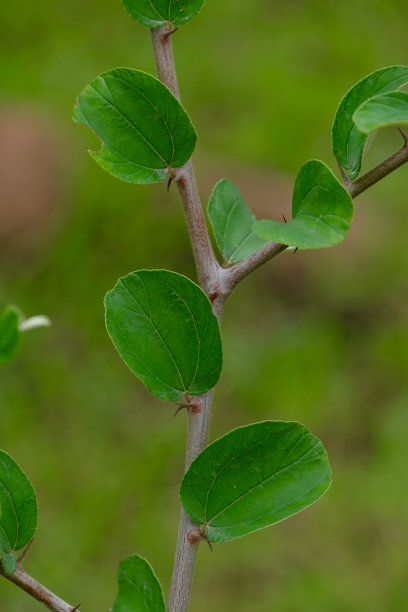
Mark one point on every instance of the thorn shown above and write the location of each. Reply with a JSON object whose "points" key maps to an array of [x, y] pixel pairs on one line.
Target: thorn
{"points": [[76, 608], [346, 180], [180, 407], [169, 182], [297, 248], [170, 33], [192, 403], [404, 135], [208, 542], [197, 535], [23, 554], [284, 218]]}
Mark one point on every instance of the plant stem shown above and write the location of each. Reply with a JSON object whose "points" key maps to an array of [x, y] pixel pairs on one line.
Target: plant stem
{"points": [[37, 590], [205, 260], [208, 272], [379, 172]]}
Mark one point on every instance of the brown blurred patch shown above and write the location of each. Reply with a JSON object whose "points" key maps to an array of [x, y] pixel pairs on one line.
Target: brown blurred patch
{"points": [[30, 180], [268, 193]]}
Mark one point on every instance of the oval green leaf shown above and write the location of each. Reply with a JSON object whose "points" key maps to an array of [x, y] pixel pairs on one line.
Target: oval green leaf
{"points": [[232, 220], [163, 327], [157, 13], [143, 127], [322, 211], [10, 335], [347, 140], [253, 477], [18, 519], [139, 588], [390, 109]]}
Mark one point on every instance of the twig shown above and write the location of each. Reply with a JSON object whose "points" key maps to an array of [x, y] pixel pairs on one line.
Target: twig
{"points": [[37, 590], [230, 277], [379, 172]]}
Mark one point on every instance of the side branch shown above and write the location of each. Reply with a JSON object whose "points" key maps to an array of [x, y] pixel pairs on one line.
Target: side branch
{"points": [[230, 277], [23, 580], [208, 272], [379, 172]]}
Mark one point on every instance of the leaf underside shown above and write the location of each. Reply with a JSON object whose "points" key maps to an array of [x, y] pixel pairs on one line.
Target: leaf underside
{"points": [[143, 128], [139, 588], [347, 140], [253, 477], [163, 327], [157, 13], [232, 221], [322, 211], [386, 110], [18, 519]]}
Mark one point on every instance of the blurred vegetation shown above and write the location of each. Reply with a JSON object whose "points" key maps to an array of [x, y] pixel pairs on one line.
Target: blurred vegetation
{"points": [[319, 337]]}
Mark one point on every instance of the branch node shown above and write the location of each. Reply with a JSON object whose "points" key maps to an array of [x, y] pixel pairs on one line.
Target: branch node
{"points": [[193, 404], [198, 535]]}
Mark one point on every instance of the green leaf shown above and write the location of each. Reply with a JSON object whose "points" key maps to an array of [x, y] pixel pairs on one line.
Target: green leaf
{"points": [[253, 477], [163, 327], [139, 588], [232, 221], [322, 211], [347, 140], [382, 111], [143, 127], [157, 13], [18, 520], [10, 335]]}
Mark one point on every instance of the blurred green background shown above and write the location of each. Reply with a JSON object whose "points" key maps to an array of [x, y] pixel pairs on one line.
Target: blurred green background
{"points": [[320, 337]]}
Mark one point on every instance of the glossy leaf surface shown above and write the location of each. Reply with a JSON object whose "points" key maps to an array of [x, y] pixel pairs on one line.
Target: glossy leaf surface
{"points": [[322, 211], [18, 518], [347, 140], [10, 336], [143, 127], [382, 111], [232, 221], [157, 13], [163, 327], [139, 588], [254, 477]]}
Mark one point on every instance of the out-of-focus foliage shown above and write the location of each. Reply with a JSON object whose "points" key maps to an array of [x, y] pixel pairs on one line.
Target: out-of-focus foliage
{"points": [[104, 458]]}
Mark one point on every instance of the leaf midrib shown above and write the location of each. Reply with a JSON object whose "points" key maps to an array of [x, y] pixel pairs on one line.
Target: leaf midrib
{"points": [[266, 479]]}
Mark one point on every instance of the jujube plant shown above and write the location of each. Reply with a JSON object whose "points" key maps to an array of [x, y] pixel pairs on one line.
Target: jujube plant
{"points": [[166, 328]]}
